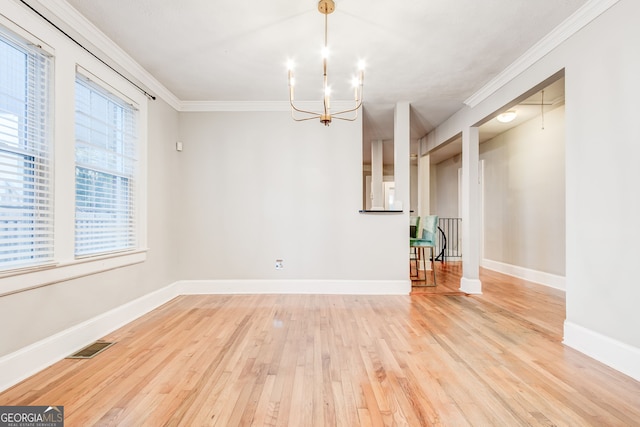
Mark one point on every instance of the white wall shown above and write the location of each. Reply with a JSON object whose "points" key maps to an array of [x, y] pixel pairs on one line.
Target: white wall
{"points": [[445, 188], [524, 199], [601, 62], [256, 187], [603, 202], [33, 315], [413, 178]]}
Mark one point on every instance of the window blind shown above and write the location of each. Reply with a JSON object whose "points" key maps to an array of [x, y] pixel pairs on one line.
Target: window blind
{"points": [[105, 151], [26, 208]]}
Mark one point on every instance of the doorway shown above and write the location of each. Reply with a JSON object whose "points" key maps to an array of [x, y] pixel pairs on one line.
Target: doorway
{"points": [[522, 175]]}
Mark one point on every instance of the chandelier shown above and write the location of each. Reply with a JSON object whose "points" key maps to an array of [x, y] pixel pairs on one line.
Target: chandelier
{"points": [[326, 7]]}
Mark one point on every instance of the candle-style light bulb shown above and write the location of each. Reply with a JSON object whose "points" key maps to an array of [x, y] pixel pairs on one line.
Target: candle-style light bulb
{"points": [[355, 82], [292, 80]]}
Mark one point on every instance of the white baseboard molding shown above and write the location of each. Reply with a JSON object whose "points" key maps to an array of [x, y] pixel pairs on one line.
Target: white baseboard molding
{"points": [[618, 355], [291, 286], [540, 277], [471, 286], [29, 360]]}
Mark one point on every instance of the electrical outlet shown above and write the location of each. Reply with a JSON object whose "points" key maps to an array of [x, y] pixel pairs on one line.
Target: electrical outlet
{"points": [[279, 264]]}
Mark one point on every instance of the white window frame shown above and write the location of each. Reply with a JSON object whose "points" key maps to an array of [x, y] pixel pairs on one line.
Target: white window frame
{"points": [[26, 165], [106, 153]]}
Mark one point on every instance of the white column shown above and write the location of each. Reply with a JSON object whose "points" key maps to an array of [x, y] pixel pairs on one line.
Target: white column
{"points": [[470, 281], [401, 160], [377, 201], [424, 185]]}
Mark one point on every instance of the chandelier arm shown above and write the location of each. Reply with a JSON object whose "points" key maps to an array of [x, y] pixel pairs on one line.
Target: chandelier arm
{"points": [[303, 111], [349, 110], [352, 119], [302, 120]]}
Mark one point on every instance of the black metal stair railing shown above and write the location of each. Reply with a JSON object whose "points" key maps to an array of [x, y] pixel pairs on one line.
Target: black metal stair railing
{"points": [[449, 244]]}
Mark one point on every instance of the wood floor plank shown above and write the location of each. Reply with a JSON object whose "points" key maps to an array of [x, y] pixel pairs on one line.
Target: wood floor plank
{"points": [[437, 357]]}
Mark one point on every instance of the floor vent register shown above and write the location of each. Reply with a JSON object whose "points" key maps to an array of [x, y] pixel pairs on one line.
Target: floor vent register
{"points": [[91, 350]]}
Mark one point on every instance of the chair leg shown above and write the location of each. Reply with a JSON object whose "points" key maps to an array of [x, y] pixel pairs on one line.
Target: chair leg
{"points": [[419, 255], [433, 266], [414, 260], [413, 263]]}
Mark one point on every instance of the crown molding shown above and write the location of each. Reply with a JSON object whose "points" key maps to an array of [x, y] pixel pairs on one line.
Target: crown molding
{"points": [[116, 55], [583, 16], [64, 11], [248, 106], [104, 44], [205, 106]]}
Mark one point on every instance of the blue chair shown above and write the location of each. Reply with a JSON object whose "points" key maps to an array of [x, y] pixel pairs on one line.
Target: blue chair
{"points": [[425, 239]]}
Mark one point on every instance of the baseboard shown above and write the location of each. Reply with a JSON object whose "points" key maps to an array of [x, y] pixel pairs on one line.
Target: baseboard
{"points": [[29, 360], [540, 277], [471, 286], [328, 287], [618, 355]]}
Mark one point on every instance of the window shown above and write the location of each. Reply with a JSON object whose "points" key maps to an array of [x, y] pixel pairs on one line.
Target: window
{"points": [[88, 213], [105, 152], [26, 208]]}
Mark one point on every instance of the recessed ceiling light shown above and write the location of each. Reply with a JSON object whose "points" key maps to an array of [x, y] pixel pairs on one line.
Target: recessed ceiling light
{"points": [[507, 116]]}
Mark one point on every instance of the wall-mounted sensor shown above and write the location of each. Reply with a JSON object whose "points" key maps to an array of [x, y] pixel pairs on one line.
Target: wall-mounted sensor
{"points": [[178, 146]]}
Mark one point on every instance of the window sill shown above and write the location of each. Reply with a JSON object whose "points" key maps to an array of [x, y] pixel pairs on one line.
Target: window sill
{"points": [[18, 281]]}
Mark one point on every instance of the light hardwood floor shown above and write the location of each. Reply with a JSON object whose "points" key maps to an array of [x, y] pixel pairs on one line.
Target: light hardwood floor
{"points": [[436, 357]]}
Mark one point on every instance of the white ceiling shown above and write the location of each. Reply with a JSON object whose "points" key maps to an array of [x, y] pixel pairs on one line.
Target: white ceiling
{"points": [[546, 99], [432, 53], [533, 107]]}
